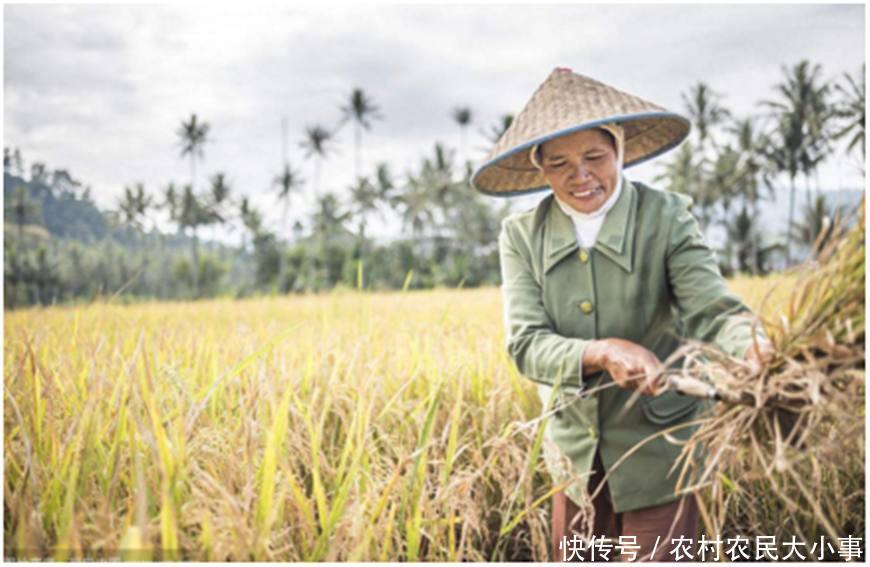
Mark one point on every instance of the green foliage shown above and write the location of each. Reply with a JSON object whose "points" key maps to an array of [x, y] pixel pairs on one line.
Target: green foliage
{"points": [[61, 207], [60, 247]]}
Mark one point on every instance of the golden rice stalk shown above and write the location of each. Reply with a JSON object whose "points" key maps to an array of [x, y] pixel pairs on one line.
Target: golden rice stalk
{"points": [[785, 455]]}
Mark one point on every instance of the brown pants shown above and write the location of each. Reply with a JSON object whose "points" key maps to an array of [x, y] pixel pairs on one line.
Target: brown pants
{"points": [[647, 525]]}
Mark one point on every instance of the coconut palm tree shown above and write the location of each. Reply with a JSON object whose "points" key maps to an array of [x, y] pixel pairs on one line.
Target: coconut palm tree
{"points": [[360, 109], [852, 108], [364, 197], [782, 153], [191, 213], [462, 115], [415, 205], [288, 182], [317, 145], [702, 105], [495, 131], [384, 181], [744, 236], [133, 206], [171, 202], [683, 174], [218, 200], [192, 137], [385, 185], [251, 218], [752, 174], [801, 135], [329, 218], [724, 177]]}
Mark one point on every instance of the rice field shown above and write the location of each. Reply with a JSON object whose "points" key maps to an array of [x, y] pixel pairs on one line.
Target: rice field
{"points": [[346, 426]]}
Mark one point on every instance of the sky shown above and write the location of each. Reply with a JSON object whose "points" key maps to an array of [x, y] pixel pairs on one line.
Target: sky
{"points": [[100, 90]]}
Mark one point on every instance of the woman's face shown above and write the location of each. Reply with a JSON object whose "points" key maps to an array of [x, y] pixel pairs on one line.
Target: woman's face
{"points": [[581, 168]]}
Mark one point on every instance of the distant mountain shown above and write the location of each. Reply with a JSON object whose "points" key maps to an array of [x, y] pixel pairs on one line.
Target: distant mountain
{"points": [[63, 212], [68, 213]]}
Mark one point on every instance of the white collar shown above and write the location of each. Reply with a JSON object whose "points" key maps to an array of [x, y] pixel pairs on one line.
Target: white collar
{"points": [[576, 215]]}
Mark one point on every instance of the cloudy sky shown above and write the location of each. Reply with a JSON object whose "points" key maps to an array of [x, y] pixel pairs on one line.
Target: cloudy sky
{"points": [[100, 90]]}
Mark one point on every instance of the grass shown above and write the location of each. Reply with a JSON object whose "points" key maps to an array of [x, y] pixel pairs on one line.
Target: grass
{"points": [[346, 426]]}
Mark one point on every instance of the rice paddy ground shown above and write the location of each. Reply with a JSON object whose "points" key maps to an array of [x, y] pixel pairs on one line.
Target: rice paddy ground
{"points": [[345, 426]]}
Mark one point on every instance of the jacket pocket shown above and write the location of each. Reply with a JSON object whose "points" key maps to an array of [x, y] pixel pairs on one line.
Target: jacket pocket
{"points": [[669, 407]]}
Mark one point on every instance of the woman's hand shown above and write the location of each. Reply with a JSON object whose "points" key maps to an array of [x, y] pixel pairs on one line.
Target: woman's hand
{"points": [[632, 366]]}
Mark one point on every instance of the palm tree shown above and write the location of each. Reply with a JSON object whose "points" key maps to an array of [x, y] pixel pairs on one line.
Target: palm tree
{"points": [[251, 218], [744, 234], [329, 218], [462, 116], [171, 203], [438, 173], [683, 174], [415, 205], [800, 136], [852, 109], [219, 198], [705, 112], [384, 181], [191, 213], [360, 109], [288, 182], [364, 196], [192, 137], [316, 145], [496, 131], [782, 154], [131, 208], [724, 177], [134, 205], [751, 170]]}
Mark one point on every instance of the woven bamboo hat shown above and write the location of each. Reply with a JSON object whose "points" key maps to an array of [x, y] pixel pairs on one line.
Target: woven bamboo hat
{"points": [[565, 103]]}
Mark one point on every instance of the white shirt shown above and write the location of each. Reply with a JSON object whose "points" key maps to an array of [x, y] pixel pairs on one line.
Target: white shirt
{"points": [[587, 225]]}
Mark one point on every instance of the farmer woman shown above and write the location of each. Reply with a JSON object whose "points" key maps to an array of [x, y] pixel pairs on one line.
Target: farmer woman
{"points": [[600, 283]]}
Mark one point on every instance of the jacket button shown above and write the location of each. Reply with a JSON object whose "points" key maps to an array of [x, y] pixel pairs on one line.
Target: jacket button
{"points": [[592, 433], [584, 256], [586, 307]]}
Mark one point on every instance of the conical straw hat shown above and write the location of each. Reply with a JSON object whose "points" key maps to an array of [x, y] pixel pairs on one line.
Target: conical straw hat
{"points": [[564, 103]]}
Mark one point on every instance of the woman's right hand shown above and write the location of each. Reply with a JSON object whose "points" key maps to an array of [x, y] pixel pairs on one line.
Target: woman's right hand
{"points": [[632, 366]]}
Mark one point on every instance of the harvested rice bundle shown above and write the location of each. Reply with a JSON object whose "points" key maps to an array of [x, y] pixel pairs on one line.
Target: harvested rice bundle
{"points": [[785, 448]]}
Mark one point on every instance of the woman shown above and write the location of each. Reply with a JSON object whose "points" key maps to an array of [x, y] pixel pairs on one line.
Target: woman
{"points": [[601, 282]]}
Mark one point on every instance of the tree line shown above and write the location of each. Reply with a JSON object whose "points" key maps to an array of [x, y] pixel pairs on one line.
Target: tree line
{"points": [[59, 247]]}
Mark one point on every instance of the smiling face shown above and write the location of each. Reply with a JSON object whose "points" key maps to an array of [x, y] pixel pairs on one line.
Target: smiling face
{"points": [[581, 168]]}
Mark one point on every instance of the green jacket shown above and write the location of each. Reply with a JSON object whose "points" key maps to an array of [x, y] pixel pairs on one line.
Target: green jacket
{"points": [[650, 279]]}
